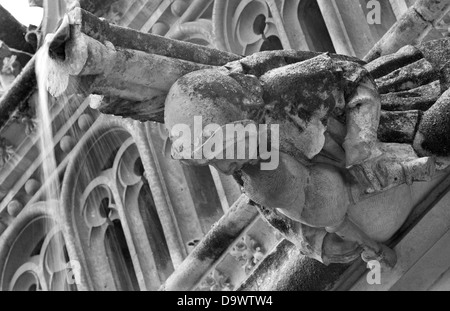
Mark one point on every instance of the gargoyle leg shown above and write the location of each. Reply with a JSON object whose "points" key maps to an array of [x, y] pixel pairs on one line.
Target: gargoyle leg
{"points": [[348, 231]]}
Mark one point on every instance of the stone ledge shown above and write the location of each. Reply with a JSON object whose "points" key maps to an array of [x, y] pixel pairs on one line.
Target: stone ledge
{"points": [[285, 269]]}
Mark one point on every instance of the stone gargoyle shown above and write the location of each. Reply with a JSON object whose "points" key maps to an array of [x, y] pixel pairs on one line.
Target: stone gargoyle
{"points": [[348, 131], [327, 172]]}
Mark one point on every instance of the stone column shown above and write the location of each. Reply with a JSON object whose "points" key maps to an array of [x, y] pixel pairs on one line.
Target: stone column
{"points": [[348, 26], [336, 27]]}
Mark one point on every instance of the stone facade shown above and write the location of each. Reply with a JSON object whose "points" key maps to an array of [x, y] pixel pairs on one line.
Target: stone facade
{"points": [[128, 214]]}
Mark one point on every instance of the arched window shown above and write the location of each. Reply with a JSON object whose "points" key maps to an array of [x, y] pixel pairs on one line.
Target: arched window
{"points": [[109, 208]]}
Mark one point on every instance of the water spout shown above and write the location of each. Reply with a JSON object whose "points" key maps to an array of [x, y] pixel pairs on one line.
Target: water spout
{"points": [[57, 46], [133, 70]]}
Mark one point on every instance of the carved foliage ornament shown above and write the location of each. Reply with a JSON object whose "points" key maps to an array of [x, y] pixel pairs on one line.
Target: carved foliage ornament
{"points": [[6, 151], [27, 118], [36, 259], [248, 252]]}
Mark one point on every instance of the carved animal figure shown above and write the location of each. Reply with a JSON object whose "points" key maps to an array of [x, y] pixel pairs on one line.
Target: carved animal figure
{"points": [[324, 171]]}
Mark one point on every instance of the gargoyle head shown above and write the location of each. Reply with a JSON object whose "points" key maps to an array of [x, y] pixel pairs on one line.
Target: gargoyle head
{"points": [[200, 109]]}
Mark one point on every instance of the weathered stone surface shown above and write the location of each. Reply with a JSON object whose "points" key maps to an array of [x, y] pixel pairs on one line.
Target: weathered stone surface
{"points": [[437, 52], [411, 76], [67, 143], [132, 39], [399, 127], [152, 109], [432, 10], [445, 78], [286, 269], [434, 129], [116, 72], [421, 98], [10, 67], [262, 62], [36, 3], [2, 227], [406, 31], [388, 63]]}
